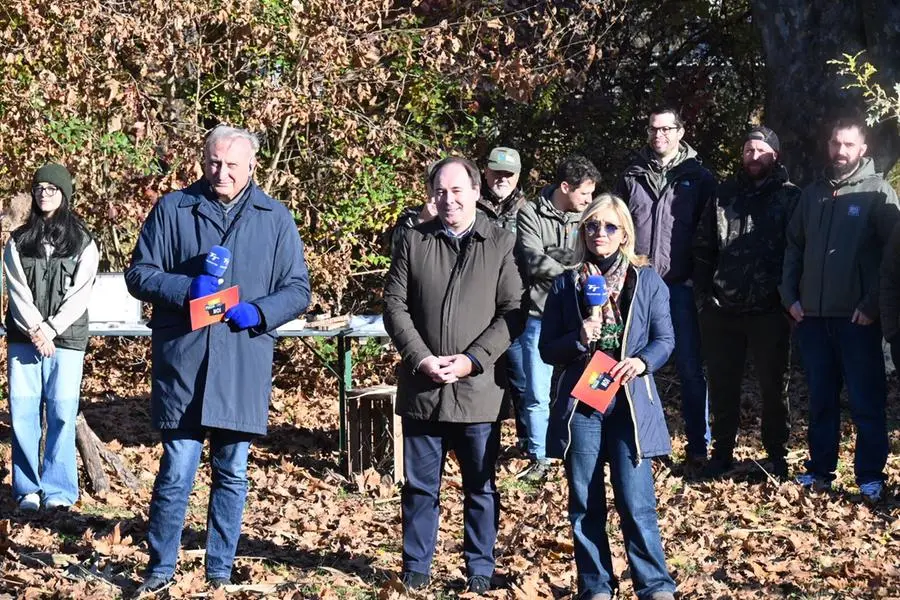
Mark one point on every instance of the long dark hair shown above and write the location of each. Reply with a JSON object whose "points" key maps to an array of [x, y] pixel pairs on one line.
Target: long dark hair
{"points": [[63, 230]]}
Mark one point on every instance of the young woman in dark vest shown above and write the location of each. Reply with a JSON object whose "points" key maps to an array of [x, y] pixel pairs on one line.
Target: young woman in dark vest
{"points": [[50, 264]]}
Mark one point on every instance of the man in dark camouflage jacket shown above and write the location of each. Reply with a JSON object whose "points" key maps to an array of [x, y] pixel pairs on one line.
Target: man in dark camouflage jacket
{"points": [[738, 256]]}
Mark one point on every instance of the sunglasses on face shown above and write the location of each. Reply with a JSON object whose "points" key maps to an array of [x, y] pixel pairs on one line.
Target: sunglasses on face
{"points": [[593, 228]]}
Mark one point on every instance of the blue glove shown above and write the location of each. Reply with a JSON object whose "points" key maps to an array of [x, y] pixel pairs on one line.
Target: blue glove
{"points": [[203, 285], [243, 315]]}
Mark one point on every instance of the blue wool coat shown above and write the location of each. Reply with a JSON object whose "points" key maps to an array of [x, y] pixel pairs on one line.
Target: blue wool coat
{"points": [[648, 335], [215, 377]]}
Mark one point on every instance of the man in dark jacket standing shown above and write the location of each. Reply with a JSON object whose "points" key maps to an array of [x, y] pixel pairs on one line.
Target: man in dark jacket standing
{"points": [[545, 239], [452, 307], [667, 189], [214, 381], [738, 255], [830, 286], [501, 199]]}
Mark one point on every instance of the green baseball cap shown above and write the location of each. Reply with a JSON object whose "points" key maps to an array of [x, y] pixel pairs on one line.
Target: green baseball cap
{"points": [[504, 159]]}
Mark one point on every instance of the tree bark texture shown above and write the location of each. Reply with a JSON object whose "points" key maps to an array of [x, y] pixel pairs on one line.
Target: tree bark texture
{"points": [[804, 92], [93, 453]]}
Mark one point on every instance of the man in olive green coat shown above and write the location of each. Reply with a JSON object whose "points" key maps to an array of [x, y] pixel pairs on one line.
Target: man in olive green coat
{"points": [[452, 306]]}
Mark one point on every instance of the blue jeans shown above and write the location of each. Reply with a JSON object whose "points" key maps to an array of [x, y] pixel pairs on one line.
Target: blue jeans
{"points": [[835, 351], [515, 376], [689, 364], [596, 441], [181, 456], [425, 447], [538, 377], [55, 382]]}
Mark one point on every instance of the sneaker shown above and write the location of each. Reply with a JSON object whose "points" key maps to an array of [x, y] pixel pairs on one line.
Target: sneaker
{"points": [[536, 472], [662, 596], [814, 482], [30, 502], [600, 596], [57, 503], [414, 581], [872, 491], [717, 466], [152, 586], [478, 584]]}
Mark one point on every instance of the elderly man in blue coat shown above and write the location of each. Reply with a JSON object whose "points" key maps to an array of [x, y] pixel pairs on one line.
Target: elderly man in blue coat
{"points": [[215, 381]]}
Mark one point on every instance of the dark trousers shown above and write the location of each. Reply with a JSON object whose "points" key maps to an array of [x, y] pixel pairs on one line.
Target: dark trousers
{"points": [[425, 447], [726, 340], [836, 351]]}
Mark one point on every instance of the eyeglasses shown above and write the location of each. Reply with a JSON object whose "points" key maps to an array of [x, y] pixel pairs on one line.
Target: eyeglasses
{"points": [[593, 228], [665, 130], [44, 190]]}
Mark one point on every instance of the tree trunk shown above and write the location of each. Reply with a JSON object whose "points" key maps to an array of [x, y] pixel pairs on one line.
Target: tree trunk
{"points": [[804, 93], [94, 453]]}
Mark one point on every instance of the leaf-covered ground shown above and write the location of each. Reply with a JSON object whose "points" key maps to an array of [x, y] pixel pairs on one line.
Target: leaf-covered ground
{"points": [[310, 533]]}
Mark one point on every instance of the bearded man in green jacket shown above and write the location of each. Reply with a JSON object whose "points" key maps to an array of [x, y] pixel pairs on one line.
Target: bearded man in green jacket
{"points": [[829, 285]]}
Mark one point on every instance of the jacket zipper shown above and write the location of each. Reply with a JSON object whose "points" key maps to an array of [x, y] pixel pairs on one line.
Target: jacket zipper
{"points": [[834, 196], [458, 266], [637, 441]]}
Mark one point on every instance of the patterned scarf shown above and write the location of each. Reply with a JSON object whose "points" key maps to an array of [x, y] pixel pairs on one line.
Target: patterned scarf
{"points": [[613, 326]]}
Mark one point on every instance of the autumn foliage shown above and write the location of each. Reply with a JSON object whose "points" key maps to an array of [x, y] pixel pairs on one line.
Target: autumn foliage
{"points": [[351, 99]]}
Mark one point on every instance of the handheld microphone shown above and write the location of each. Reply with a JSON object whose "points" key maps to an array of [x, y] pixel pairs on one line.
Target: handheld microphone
{"points": [[595, 294], [217, 261]]}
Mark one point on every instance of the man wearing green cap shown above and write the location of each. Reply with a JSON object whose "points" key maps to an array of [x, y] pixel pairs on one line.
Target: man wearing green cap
{"points": [[501, 199]]}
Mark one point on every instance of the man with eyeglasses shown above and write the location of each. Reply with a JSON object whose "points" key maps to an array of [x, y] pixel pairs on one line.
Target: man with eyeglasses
{"points": [[667, 188], [546, 236], [830, 286], [738, 254]]}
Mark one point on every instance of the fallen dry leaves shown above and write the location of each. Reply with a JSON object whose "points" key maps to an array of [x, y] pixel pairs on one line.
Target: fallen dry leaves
{"points": [[309, 532]]}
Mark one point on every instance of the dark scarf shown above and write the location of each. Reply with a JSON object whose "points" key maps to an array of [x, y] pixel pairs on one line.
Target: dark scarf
{"points": [[613, 268]]}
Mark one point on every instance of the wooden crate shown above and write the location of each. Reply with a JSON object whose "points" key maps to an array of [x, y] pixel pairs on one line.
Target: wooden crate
{"points": [[374, 434]]}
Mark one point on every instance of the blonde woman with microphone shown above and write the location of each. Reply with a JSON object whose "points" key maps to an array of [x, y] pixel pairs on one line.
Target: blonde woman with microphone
{"points": [[630, 322]]}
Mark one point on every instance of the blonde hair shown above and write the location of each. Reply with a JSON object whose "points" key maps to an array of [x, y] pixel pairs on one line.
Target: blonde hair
{"points": [[602, 202]]}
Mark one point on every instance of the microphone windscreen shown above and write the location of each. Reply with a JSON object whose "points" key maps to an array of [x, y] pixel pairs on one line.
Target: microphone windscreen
{"points": [[217, 261], [595, 293]]}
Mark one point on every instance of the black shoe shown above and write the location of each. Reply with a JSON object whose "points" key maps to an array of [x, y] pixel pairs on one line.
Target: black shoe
{"points": [[215, 583], [717, 466], [152, 586], [778, 468], [415, 581], [693, 466], [478, 584]]}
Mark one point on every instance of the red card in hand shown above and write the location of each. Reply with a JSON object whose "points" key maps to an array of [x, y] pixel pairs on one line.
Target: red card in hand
{"points": [[210, 309], [596, 387]]}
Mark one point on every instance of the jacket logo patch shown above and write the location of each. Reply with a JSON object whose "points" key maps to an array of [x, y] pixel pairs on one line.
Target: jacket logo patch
{"points": [[853, 210]]}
